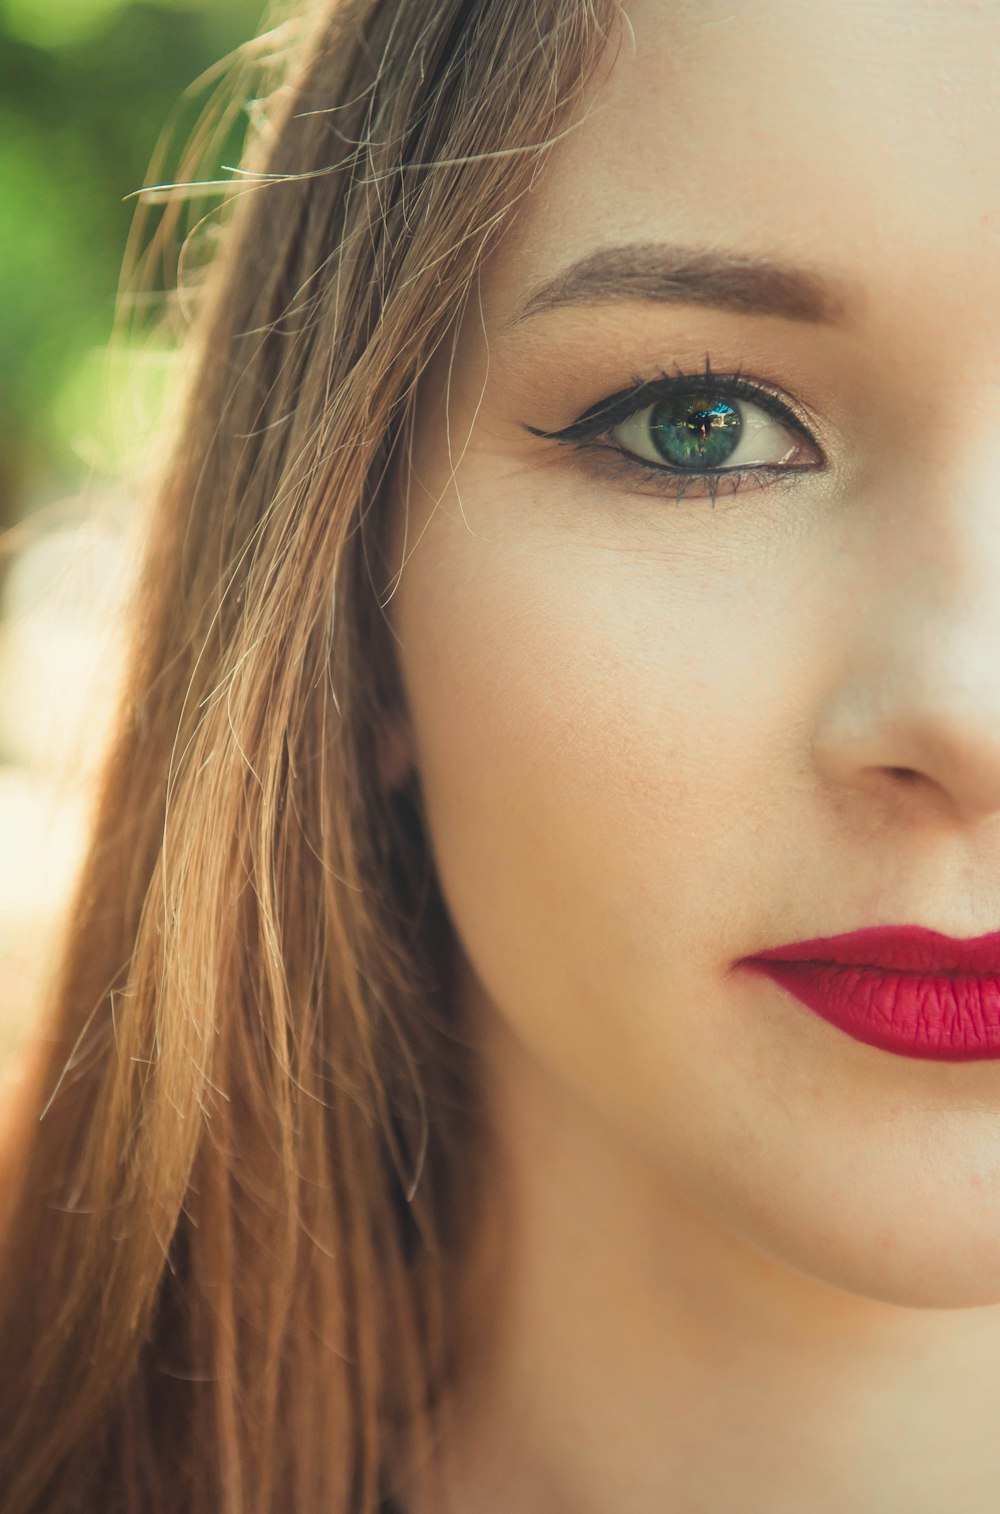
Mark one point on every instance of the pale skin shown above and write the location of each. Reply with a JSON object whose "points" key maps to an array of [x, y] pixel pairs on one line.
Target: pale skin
{"points": [[742, 1263]]}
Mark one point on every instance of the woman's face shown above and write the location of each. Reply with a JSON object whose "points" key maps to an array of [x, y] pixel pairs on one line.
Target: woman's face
{"points": [[658, 735]]}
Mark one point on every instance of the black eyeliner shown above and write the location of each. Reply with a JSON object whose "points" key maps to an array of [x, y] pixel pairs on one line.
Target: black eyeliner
{"points": [[618, 407]]}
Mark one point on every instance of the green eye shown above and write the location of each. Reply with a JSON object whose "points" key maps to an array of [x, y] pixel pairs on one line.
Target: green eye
{"points": [[696, 432], [686, 430]]}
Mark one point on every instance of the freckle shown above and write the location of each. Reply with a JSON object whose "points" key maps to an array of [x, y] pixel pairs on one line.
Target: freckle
{"points": [[976, 1180]]}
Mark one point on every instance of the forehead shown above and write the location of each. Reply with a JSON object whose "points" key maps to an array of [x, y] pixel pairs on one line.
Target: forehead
{"points": [[857, 134]]}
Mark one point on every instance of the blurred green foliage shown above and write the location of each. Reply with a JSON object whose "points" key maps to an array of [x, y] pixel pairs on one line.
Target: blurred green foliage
{"points": [[86, 88]]}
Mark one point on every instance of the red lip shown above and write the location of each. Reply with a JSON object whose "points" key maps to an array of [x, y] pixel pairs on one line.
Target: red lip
{"points": [[904, 989], [906, 948]]}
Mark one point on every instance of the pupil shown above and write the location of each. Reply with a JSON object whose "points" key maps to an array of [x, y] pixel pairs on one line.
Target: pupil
{"points": [[688, 431]]}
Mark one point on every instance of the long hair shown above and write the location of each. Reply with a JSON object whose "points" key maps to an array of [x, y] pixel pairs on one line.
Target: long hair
{"points": [[241, 1219]]}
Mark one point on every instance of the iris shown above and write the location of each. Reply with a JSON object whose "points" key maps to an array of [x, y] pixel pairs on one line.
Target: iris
{"points": [[686, 430]]}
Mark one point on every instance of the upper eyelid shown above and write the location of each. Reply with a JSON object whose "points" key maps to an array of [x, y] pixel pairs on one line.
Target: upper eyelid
{"points": [[613, 409]]}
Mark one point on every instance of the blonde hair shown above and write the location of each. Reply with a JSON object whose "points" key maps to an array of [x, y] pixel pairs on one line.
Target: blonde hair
{"points": [[225, 1281]]}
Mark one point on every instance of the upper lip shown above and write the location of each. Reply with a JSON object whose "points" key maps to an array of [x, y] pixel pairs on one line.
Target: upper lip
{"points": [[906, 948]]}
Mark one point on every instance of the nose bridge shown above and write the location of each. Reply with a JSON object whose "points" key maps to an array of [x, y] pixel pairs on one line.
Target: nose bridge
{"points": [[943, 541], [935, 426], [923, 693]]}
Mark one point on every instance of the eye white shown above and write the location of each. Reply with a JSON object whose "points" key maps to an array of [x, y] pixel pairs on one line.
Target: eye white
{"points": [[763, 441]]}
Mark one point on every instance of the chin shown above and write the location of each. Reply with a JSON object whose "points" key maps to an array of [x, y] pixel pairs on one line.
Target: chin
{"points": [[949, 1268]]}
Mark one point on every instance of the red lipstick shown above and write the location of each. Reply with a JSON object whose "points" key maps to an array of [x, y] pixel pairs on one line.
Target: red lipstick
{"points": [[902, 988]]}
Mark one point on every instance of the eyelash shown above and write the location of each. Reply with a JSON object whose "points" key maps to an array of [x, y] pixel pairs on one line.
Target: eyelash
{"points": [[610, 412]]}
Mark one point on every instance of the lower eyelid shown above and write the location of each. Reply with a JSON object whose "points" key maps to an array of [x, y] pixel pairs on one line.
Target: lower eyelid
{"points": [[607, 462]]}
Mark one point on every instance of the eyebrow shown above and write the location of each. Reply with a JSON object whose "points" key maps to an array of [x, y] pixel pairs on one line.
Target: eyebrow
{"points": [[661, 273]]}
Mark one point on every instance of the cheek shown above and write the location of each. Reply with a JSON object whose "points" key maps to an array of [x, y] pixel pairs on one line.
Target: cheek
{"points": [[586, 772]]}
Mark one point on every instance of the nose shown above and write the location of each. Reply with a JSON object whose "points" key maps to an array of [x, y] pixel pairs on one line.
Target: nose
{"points": [[916, 710]]}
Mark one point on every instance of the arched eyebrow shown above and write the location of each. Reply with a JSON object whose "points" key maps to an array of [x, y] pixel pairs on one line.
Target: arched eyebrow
{"points": [[666, 274]]}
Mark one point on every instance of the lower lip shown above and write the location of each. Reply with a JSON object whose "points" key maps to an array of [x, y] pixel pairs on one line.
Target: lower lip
{"points": [[949, 1018]]}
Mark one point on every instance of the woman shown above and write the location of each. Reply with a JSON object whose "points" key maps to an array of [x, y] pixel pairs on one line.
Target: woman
{"points": [[575, 579]]}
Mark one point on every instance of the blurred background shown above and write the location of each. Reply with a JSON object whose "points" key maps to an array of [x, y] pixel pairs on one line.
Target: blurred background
{"points": [[97, 99]]}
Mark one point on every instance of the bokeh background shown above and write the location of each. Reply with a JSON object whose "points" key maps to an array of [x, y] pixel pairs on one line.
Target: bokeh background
{"points": [[97, 99]]}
